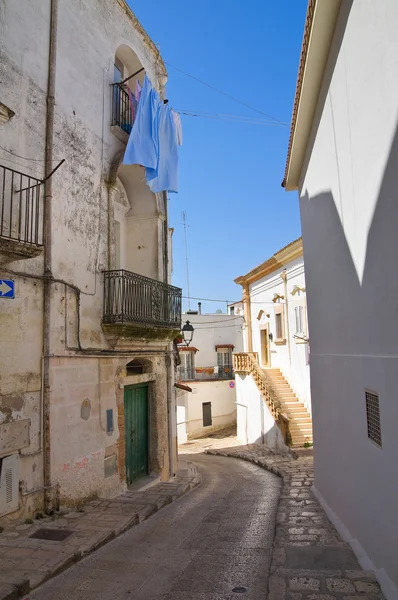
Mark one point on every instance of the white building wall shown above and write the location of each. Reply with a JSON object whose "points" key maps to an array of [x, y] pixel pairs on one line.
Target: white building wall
{"points": [[292, 356], [349, 210], [223, 407], [210, 330], [255, 423]]}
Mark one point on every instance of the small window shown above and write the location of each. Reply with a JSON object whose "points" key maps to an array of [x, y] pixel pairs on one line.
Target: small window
{"points": [[206, 409], [373, 417], [135, 367], [299, 319], [224, 357], [278, 326], [109, 421], [187, 367]]}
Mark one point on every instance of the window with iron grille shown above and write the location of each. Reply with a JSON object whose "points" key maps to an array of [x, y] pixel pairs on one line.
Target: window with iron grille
{"points": [[373, 417]]}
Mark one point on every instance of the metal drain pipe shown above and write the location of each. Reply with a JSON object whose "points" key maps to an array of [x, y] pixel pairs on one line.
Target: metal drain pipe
{"points": [[48, 256]]}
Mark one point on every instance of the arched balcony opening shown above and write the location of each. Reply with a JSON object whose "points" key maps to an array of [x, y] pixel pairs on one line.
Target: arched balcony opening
{"points": [[128, 71]]}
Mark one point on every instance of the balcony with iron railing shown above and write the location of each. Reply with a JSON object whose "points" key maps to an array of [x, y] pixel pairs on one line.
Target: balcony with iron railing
{"points": [[122, 111], [21, 214], [217, 373], [135, 305]]}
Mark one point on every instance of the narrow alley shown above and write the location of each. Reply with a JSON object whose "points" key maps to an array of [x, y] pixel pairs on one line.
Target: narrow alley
{"points": [[213, 541]]}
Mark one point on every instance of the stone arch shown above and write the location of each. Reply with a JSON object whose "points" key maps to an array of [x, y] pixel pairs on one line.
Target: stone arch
{"points": [[138, 366]]}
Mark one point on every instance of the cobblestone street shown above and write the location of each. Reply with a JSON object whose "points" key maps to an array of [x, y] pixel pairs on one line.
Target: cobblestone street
{"points": [[310, 561], [253, 527], [212, 541]]}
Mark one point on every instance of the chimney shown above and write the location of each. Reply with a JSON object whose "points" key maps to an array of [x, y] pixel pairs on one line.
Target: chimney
{"points": [[200, 308]]}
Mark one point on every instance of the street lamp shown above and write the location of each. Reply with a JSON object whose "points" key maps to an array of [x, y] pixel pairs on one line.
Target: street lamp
{"points": [[187, 332]]}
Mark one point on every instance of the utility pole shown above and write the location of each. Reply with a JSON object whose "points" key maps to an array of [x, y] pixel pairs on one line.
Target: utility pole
{"points": [[184, 222]]}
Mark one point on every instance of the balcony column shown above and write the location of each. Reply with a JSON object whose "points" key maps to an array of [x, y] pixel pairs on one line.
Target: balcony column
{"points": [[248, 318]]}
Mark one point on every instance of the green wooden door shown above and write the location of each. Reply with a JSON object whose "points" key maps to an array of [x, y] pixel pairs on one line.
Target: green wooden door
{"points": [[136, 431]]}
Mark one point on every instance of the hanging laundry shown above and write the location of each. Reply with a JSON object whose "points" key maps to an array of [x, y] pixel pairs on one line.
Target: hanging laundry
{"points": [[133, 104], [165, 176], [177, 123], [143, 144], [137, 90]]}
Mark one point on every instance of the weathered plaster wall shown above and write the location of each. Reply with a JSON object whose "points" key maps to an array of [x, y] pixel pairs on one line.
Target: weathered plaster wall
{"points": [[89, 35], [80, 440]]}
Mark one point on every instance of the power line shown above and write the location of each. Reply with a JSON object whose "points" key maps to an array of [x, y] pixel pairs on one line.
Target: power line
{"points": [[228, 301], [227, 118], [228, 96], [219, 322], [25, 158]]}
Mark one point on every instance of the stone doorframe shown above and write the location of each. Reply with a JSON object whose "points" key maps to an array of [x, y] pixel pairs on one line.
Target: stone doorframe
{"points": [[158, 454]]}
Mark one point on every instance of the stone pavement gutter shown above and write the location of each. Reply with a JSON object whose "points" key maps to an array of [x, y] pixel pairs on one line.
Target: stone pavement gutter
{"points": [[310, 561], [26, 562]]}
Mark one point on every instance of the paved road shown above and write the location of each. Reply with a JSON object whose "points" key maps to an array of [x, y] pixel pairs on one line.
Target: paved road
{"points": [[216, 538]]}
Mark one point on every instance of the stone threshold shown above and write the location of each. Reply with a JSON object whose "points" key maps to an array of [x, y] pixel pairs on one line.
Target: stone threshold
{"points": [[26, 562]]}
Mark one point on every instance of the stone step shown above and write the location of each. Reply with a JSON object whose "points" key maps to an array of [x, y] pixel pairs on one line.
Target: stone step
{"points": [[304, 430], [299, 417]]}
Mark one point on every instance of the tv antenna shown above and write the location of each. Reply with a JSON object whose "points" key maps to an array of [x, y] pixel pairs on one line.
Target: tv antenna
{"points": [[185, 225]]}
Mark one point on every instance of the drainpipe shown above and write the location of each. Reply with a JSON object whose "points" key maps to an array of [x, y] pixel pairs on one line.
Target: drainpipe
{"points": [[48, 256], [171, 411], [284, 278]]}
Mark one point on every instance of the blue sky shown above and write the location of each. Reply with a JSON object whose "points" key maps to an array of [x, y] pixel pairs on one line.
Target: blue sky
{"points": [[230, 172]]}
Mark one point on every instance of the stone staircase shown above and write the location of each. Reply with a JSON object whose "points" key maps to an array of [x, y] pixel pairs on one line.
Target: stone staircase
{"points": [[300, 422]]}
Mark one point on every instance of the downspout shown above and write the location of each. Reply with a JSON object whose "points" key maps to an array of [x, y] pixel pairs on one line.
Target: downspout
{"points": [[48, 257], [171, 410], [284, 278]]}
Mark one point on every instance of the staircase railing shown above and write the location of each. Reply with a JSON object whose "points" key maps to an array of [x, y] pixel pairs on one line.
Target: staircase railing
{"points": [[247, 363]]}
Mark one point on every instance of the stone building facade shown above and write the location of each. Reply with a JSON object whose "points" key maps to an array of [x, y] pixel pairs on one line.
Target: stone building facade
{"points": [[87, 337]]}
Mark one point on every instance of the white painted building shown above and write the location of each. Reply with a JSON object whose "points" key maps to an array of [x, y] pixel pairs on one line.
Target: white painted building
{"points": [[89, 333], [206, 367], [342, 159], [276, 338]]}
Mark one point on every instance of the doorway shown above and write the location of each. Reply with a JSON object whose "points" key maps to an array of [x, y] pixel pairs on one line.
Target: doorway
{"points": [[136, 431], [265, 354]]}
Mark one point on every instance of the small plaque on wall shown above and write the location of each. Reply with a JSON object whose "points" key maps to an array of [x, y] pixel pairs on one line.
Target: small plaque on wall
{"points": [[85, 409]]}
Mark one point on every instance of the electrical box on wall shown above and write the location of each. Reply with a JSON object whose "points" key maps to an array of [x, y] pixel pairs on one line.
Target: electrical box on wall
{"points": [[9, 484]]}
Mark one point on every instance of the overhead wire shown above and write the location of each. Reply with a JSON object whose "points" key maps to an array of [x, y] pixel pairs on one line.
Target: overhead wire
{"points": [[283, 123], [226, 117], [25, 157], [229, 302]]}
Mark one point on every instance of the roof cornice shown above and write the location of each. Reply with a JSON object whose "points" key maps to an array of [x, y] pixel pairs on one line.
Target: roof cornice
{"points": [[278, 260], [319, 28]]}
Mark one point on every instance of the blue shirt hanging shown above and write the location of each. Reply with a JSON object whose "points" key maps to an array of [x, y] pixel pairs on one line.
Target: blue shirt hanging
{"points": [[143, 144], [165, 176]]}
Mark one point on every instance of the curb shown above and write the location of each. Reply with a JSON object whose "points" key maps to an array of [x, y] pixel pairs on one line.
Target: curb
{"points": [[256, 461], [13, 590]]}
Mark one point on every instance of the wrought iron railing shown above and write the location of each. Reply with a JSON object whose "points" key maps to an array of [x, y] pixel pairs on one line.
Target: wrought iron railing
{"points": [[21, 207], [122, 111], [133, 298], [205, 373]]}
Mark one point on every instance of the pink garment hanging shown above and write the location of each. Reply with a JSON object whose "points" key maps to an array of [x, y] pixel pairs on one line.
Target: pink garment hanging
{"points": [[138, 89]]}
